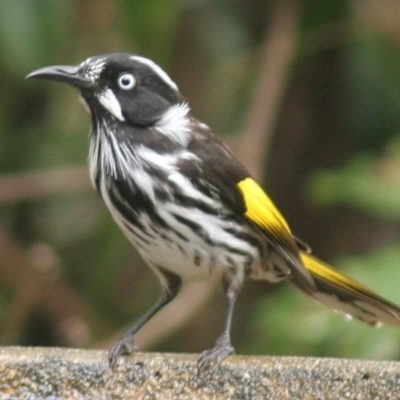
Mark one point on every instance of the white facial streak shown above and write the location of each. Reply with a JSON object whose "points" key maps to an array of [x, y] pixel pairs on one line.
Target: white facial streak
{"points": [[109, 101], [158, 70]]}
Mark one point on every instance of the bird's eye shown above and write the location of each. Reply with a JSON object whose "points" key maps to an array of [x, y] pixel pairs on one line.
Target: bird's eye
{"points": [[126, 81]]}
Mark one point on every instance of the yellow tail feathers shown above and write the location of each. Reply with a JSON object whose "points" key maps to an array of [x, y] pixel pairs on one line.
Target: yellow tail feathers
{"points": [[347, 296], [317, 279]]}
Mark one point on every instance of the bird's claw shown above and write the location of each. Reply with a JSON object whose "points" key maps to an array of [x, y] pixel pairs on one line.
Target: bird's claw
{"points": [[216, 355], [125, 346]]}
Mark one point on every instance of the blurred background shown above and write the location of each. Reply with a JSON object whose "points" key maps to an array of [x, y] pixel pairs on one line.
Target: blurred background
{"points": [[307, 93]]}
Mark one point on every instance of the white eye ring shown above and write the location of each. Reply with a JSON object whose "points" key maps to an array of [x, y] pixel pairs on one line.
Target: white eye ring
{"points": [[126, 81]]}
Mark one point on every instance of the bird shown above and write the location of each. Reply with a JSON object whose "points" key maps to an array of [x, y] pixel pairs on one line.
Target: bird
{"points": [[186, 203]]}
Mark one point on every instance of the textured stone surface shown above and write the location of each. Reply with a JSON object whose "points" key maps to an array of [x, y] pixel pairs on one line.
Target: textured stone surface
{"points": [[55, 374]]}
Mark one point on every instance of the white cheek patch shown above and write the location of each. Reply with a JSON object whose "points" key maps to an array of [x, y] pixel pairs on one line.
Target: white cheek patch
{"points": [[175, 124], [109, 101]]}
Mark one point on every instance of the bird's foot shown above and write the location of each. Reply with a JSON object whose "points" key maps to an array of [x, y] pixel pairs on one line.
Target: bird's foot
{"points": [[125, 346], [217, 354]]}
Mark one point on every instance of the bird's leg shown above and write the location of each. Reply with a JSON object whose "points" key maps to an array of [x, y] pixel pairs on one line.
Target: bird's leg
{"points": [[126, 344], [223, 347]]}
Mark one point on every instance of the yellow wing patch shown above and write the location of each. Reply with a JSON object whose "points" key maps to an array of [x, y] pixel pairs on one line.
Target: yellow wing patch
{"points": [[259, 207], [262, 212]]}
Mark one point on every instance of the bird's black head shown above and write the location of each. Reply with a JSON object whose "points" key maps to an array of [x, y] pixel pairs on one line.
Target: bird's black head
{"points": [[121, 86]]}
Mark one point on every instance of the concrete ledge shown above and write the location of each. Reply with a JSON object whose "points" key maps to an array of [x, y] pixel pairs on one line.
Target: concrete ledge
{"points": [[55, 374]]}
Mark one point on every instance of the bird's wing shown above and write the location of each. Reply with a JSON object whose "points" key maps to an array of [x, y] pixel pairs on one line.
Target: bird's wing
{"points": [[224, 174], [328, 286], [261, 211]]}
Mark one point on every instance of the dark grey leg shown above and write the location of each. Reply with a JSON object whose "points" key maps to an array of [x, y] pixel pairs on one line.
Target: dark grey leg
{"points": [[223, 347], [126, 344]]}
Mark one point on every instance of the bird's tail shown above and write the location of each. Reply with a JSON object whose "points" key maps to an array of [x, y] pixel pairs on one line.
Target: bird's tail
{"points": [[347, 296]]}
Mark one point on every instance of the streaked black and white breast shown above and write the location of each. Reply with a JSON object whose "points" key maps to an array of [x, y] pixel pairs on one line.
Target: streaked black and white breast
{"points": [[144, 160]]}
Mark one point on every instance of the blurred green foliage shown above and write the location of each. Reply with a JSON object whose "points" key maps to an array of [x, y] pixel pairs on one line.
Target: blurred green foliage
{"points": [[333, 169], [366, 182]]}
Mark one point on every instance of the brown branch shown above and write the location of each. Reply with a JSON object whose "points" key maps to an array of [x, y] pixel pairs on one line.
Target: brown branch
{"points": [[35, 287], [24, 186], [382, 16], [277, 53]]}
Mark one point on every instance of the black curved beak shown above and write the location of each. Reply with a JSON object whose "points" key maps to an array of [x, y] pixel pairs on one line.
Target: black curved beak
{"points": [[62, 73]]}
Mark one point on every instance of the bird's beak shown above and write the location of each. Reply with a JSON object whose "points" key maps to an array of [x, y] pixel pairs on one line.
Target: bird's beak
{"points": [[63, 73]]}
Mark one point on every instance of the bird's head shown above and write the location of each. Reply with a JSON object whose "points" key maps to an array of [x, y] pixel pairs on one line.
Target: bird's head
{"points": [[124, 87]]}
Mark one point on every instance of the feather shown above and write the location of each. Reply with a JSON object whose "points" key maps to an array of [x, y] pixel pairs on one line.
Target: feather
{"points": [[347, 296], [261, 211]]}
